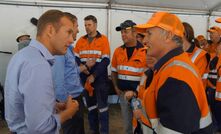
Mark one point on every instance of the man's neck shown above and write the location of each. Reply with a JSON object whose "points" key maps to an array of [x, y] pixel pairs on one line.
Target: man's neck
{"points": [[215, 41], [93, 34], [45, 43], [167, 50], [131, 44]]}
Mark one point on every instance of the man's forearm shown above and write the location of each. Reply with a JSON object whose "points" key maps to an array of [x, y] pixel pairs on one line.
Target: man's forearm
{"points": [[114, 79]]}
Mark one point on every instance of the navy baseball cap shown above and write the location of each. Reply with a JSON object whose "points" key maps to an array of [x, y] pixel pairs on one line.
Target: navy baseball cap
{"points": [[126, 24]]}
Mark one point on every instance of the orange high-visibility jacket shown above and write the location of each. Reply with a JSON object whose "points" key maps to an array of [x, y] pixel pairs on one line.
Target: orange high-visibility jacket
{"points": [[212, 49], [199, 57], [212, 75], [218, 84], [129, 70], [175, 101], [141, 88], [99, 50]]}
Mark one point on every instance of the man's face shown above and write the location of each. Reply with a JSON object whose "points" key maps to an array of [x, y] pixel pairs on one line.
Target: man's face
{"points": [[63, 37], [90, 26], [214, 36], [23, 38], [76, 30], [139, 38], [128, 35], [154, 41], [151, 61]]}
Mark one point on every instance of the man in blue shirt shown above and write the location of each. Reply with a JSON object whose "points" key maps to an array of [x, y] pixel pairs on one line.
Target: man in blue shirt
{"points": [[67, 82], [30, 106]]}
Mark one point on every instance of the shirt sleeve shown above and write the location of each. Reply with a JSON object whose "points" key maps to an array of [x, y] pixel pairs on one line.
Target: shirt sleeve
{"points": [[105, 59], [114, 62], [177, 106], [58, 78], [39, 100], [77, 52]]}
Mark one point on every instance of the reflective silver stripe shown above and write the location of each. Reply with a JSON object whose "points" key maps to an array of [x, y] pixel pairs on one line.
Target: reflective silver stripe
{"points": [[103, 109], [90, 52], [205, 76], [86, 59], [145, 129], [76, 54], [218, 95], [213, 71], [143, 79], [113, 69], [129, 68], [84, 101], [127, 77], [213, 76], [138, 87], [154, 122], [163, 130], [183, 64], [105, 56], [92, 107], [205, 121], [195, 55], [213, 87], [219, 80]]}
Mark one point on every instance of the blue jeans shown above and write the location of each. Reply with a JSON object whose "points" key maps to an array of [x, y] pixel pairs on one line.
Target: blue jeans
{"points": [[127, 114]]}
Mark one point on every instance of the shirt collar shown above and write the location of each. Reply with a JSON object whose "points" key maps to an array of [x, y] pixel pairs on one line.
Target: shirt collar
{"points": [[97, 36], [167, 57], [138, 45], [43, 50]]}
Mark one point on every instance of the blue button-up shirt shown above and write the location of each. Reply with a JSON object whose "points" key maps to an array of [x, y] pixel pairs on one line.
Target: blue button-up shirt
{"points": [[66, 76], [29, 93]]}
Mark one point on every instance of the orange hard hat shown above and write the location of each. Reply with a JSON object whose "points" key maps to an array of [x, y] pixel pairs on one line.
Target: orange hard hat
{"points": [[164, 20], [214, 29], [200, 38], [218, 20]]}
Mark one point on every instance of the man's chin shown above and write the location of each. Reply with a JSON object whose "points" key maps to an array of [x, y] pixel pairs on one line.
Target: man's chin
{"points": [[63, 52]]}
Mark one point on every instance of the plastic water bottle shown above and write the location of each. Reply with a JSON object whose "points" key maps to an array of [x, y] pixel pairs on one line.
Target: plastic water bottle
{"points": [[135, 103]]}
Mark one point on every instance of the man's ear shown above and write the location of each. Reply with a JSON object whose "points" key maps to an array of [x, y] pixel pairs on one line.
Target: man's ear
{"points": [[50, 30], [168, 36]]}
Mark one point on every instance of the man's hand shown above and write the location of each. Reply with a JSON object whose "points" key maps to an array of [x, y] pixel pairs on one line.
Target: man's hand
{"points": [[60, 106], [90, 63], [72, 106], [83, 69], [137, 113], [90, 79], [118, 91], [129, 94]]}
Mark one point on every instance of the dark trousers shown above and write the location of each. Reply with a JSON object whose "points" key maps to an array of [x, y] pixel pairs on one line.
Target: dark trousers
{"points": [[98, 109], [76, 124], [215, 107], [217, 114]]}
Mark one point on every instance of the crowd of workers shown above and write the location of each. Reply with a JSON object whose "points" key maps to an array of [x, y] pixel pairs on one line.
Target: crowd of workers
{"points": [[168, 81]]}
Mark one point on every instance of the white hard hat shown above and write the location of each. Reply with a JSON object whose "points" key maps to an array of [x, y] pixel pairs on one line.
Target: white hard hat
{"points": [[20, 34]]}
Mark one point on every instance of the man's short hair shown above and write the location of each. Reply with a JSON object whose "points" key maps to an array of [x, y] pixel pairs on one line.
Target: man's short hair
{"points": [[49, 17], [72, 17], [91, 17]]}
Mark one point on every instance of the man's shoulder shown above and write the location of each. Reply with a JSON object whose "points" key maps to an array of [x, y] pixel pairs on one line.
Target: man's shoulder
{"points": [[29, 56]]}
